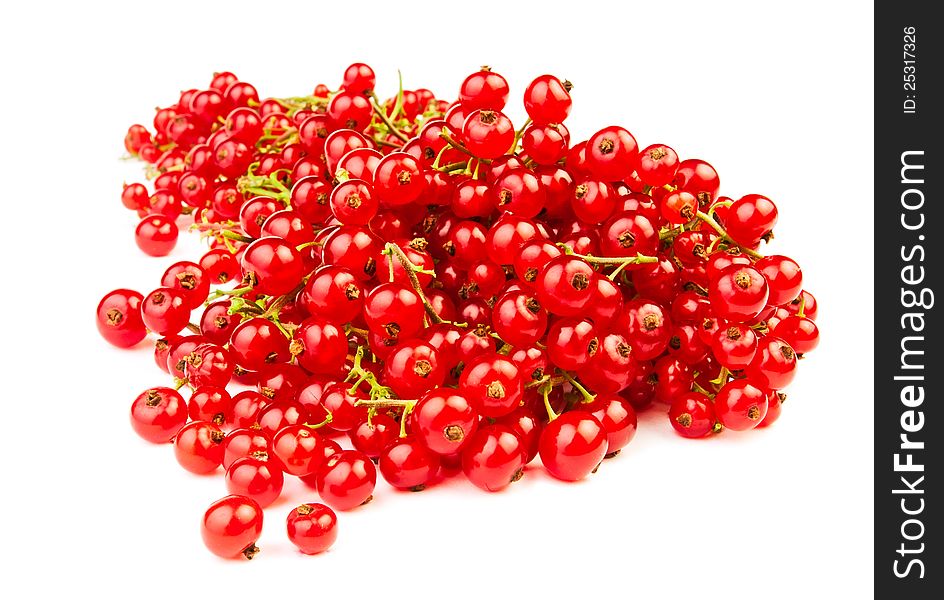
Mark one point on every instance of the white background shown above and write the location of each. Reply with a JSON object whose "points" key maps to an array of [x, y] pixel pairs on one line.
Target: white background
{"points": [[777, 97]]}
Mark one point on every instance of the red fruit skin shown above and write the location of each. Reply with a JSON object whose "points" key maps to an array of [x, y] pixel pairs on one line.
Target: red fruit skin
{"points": [[157, 414], [313, 528], [444, 420], [618, 418], [118, 318], [231, 526], [256, 477], [346, 480], [572, 445], [692, 415], [494, 458], [407, 464], [493, 384], [741, 405]]}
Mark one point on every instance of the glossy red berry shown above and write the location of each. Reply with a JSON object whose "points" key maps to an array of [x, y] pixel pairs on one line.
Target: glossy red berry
{"points": [[393, 310], [444, 420], [800, 333], [740, 405], [547, 100], [271, 266], [493, 384], [257, 477], [612, 154], [198, 447], [494, 458], [572, 445], [299, 449], [165, 311], [483, 90], [156, 235], [572, 342], [692, 415], [488, 134], [118, 318], [618, 418], [319, 346], [738, 293], [157, 414], [398, 179], [519, 319], [784, 278], [565, 285], [408, 464], [231, 526], [347, 480], [412, 368], [313, 528], [774, 365]]}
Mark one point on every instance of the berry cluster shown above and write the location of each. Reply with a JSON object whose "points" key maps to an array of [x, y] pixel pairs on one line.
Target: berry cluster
{"points": [[444, 291]]}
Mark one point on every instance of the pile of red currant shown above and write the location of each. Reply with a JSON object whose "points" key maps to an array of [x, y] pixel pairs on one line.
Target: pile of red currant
{"points": [[414, 286]]}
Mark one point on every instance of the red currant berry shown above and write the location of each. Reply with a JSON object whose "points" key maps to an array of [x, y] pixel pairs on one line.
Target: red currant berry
{"points": [[740, 405], [118, 318], [572, 445], [784, 278], [372, 435], [444, 420], [750, 219], [158, 414], [483, 90], [210, 403], [319, 346], [231, 527], [198, 447], [519, 319], [299, 449], [612, 154], [257, 342], [359, 78], [738, 293], [488, 134], [493, 384], [244, 442], [313, 528], [734, 346], [618, 418], [547, 100], [272, 267], [408, 464], [156, 235], [412, 368], [800, 333], [774, 365], [347, 480], [572, 342], [393, 310], [256, 477], [565, 286], [692, 415], [494, 458], [165, 311]]}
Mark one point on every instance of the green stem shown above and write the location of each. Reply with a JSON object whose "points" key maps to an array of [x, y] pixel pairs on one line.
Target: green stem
{"points": [[545, 391], [232, 235], [724, 235], [587, 396], [616, 260], [327, 421], [380, 112], [411, 271]]}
